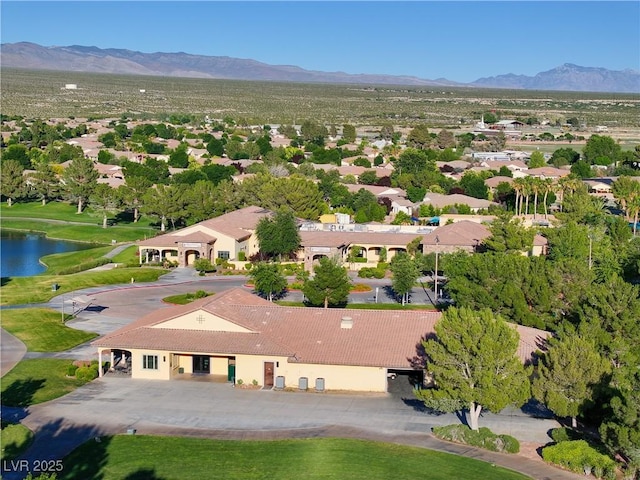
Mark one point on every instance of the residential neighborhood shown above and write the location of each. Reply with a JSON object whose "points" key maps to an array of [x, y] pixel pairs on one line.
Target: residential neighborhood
{"points": [[442, 227]]}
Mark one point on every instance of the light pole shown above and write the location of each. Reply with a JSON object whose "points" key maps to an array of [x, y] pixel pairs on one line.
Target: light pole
{"points": [[435, 276], [590, 248]]}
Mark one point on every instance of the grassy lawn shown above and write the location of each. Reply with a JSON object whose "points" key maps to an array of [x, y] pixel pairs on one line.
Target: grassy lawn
{"points": [[14, 440], [127, 255], [42, 330], [66, 212], [22, 290], [37, 380], [60, 261], [79, 233], [185, 298], [151, 457]]}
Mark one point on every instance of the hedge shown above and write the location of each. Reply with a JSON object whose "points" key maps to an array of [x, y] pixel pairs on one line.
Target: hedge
{"points": [[483, 438], [578, 456]]}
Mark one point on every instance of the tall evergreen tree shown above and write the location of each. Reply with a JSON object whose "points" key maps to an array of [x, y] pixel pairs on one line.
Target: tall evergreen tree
{"points": [[473, 361], [330, 284], [80, 179]]}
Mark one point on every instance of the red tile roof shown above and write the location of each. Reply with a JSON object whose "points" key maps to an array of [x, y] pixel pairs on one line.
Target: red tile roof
{"points": [[378, 338]]}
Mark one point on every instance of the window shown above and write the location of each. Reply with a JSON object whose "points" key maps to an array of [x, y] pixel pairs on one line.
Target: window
{"points": [[150, 362], [224, 254]]}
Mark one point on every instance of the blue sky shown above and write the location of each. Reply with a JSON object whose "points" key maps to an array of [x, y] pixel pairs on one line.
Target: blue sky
{"points": [[460, 41]]}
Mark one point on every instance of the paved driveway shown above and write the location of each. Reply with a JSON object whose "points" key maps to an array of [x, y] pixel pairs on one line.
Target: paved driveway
{"points": [[115, 405]]}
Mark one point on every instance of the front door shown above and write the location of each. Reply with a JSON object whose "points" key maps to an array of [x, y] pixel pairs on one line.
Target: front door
{"points": [[268, 374], [201, 364]]}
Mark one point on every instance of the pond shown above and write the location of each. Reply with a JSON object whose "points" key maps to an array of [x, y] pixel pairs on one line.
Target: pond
{"points": [[20, 252]]}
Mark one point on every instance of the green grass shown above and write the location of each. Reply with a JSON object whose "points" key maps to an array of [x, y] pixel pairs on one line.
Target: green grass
{"points": [[65, 212], [42, 330], [79, 233], [166, 458], [23, 290], [128, 255], [185, 298], [37, 380], [14, 440], [60, 261]]}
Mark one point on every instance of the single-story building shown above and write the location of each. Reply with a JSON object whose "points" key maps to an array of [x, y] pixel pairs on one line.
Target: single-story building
{"points": [[469, 236], [220, 237], [236, 335]]}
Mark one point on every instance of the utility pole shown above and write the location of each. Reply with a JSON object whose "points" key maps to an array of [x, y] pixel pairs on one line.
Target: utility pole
{"points": [[435, 276]]}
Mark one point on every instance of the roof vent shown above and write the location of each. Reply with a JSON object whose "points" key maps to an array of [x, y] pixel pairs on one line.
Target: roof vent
{"points": [[346, 322]]}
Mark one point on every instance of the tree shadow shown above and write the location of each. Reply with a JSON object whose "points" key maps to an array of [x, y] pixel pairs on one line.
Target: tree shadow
{"points": [[4, 281], [536, 409], [53, 441], [20, 393], [144, 474]]}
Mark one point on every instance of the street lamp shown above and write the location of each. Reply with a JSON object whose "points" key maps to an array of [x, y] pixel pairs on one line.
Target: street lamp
{"points": [[590, 249], [435, 277]]}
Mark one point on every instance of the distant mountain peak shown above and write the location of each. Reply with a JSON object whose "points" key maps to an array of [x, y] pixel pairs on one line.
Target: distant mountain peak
{"points": [[79, 58], [569, 77]]}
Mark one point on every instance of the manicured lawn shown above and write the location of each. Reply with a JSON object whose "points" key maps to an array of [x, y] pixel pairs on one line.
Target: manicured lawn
{"points": [[37, 380], [185, 298], [14, 440], [66, 212], [127, 255], [21, 290], [150, 457], [60, 261], [91, 233], [42, 330]]}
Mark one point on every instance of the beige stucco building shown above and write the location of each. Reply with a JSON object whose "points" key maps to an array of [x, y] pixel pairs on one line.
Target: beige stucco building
{"points": [[236, 335], [220, 237]]}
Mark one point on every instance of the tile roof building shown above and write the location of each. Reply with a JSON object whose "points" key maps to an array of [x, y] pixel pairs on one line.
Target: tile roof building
{"points": [[238, 335]]}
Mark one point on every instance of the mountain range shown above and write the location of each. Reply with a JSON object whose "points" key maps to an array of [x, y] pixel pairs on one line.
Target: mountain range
{"points": [[76, 58]]}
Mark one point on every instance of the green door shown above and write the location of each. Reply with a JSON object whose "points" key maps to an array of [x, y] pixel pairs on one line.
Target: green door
{"points": [[231, 373]]}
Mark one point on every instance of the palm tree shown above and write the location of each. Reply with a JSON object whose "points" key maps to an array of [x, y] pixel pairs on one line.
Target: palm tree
{"points": [[518, 186], [623, 189], [548, 185], [535, 185]]}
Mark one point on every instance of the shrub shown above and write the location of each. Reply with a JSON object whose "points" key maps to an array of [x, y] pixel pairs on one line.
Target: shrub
{"points": [[483, 438], [564, 434], [242, 256], [203, 265], [577, 456], [371, 272], [200, 294], [87, 373], [239, 381], [254, 382], [71, 370]]}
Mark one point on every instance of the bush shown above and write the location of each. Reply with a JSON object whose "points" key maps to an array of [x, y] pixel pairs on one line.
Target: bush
{"points": [[239, 381], [578, 456], [242, 256], [483, 438], [87, 373], [203, 265], [71, 370], [371, 272], [564, 434]]}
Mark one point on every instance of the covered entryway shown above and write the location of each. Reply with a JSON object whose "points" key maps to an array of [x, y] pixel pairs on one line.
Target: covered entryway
{"points": [[201, 364], [268, 375]]}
